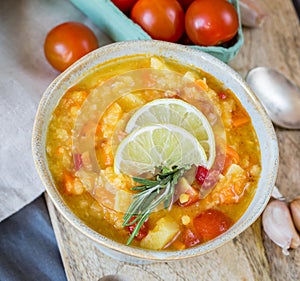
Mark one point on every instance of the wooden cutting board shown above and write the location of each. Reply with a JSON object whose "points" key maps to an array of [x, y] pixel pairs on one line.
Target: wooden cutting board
{"points": [[250, 256]]}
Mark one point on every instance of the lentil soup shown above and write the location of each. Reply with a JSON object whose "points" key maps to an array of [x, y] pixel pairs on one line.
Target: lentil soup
{"points": [[89, 125]]}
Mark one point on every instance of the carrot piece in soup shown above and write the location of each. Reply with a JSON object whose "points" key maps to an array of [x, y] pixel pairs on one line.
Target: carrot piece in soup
{"points": [[232, 157], [72, 184], [202, 84], [240, 118], [230, 188], [178, 245], [211, 223], [231, 152]]}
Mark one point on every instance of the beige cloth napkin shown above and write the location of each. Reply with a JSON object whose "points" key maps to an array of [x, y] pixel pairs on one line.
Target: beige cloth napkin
{"points": [[24, 76]]}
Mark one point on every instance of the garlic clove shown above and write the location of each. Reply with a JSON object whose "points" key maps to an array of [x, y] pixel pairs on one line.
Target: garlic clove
{"points": [[276, 194], [278, 225], [295, 210], [252, 14]]}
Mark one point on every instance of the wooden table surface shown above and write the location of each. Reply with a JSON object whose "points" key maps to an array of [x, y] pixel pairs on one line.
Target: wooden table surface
{"points": [[250, 256]]}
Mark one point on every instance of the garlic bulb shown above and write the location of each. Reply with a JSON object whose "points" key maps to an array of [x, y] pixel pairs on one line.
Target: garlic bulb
{"points": [[295, 210], [278, 225]]}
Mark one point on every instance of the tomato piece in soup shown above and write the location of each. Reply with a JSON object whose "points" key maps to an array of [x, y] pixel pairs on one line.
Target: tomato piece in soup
{"points": [[201, 174], [190, 239], [211, 223], [142, 232]]}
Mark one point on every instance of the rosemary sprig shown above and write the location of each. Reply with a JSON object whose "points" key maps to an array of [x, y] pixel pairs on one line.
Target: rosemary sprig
{"points": [[150, 194]]}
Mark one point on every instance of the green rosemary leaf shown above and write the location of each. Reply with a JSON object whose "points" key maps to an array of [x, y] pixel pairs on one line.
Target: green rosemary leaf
{"points": [[132, 210], [150, 195], [169, 199], [165, 180], [145, 181], [136, 206], [142, 219], [139, 187]]}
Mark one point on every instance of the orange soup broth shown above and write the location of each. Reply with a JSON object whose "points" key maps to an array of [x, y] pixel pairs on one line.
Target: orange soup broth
{"points": [[60, 159]]}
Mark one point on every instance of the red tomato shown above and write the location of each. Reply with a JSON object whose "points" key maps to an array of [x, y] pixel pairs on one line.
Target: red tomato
{"points": [[161, 19], [211, 223], [211, 22], [222, 95], [68, 42], [189, 238], [142, 232], [124, 5], [201, 174]]}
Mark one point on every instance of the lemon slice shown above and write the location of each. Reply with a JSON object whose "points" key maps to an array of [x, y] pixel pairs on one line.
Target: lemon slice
{"points": [[181, 114], [149, 147]]}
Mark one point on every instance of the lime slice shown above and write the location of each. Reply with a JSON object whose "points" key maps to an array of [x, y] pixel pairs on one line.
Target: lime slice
{"points": [[150, 147], [181, 114]]}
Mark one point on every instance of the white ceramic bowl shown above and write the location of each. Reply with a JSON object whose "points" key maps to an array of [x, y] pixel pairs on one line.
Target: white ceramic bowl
{"points": [[260, 120]]}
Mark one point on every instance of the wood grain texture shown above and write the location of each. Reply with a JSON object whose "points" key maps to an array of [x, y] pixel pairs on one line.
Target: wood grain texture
{"points": [[235, 260], [277, 45], [250, 256]]}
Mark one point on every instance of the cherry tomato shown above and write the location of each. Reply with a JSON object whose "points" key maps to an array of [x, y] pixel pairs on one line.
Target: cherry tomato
{"points": [[161, 19], [142, 232], [68, 42], [211, 22], [124, 5], [211, 223]]}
